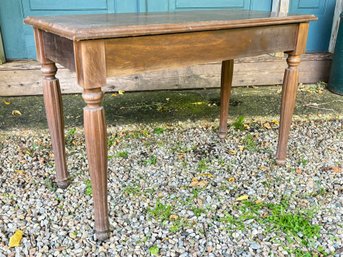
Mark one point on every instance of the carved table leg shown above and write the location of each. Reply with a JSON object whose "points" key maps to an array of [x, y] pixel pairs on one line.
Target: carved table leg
{"points": [[225, 93], [289, 91], [96, 143], [54, 113]]}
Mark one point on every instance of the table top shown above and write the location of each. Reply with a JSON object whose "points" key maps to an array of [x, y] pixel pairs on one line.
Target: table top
{"points": [[96, 26]]}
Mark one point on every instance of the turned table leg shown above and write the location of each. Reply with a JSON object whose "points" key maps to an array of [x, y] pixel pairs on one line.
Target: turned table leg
{"points": [[96, 143], [289, 91], [225, 93], [54, 113]]}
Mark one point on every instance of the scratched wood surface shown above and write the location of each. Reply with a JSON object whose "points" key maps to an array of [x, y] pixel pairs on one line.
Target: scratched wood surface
{"points": [[81, 27]]}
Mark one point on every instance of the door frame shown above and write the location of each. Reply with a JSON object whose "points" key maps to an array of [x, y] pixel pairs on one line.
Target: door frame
{"points": [[2, 51]]}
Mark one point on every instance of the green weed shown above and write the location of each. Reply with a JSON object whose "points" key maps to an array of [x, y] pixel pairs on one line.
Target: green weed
{"points": [[250, 143], [161, 211], [88, 189], [159, 131], [154, 250], [152, 160], [239, 123]]}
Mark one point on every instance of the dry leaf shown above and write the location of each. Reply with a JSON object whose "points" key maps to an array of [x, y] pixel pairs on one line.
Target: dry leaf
{"points": [[121, 92], [16, 238], [199, 103], [258, 201], [246, 126], [298, 170], [114, 94], [21, 172], [231, 180], [276, 122], [263, 168], [7, 102], [335, 169], [207, 175], [241, 148], [267, 125], [198, 183], [173, 217], [232, 152], [16, 113], [242, 198]]}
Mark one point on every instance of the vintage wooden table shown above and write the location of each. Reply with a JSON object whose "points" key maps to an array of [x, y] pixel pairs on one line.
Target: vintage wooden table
{"points": [[99, 46]]}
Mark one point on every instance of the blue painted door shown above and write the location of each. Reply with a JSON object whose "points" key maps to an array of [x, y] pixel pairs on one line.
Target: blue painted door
{"points": [[320, 31], [18, 38]]}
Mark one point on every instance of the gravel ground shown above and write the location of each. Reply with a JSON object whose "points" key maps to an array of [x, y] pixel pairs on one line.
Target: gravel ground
{"points": [[177, 190]]}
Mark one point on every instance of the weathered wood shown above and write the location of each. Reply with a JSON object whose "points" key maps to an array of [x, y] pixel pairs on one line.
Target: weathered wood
{"points": [[261, 70], [96, 145], [90, 62], [335, 25], [99, 26], [138, 54], [59, 49], [54, 110], [2, 52], [289, 93], [225, 93]]}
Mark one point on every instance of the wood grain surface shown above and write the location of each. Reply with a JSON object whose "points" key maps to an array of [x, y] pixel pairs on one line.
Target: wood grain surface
{"points": [[92, 26]]}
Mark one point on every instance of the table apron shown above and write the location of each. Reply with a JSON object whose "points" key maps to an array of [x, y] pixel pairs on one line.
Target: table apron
{"points": [[138, 54]]}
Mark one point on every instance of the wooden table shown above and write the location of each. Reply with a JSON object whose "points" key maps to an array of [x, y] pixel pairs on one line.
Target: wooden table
{"points": [[99, 46]]}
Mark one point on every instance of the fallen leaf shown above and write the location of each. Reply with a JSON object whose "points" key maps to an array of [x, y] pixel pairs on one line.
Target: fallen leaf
{"points": [[276, 122], [241, 148], [198, 183], [263, 168], [231, 180], [7, 102], [246, 126], [114, 94], [16, 238], [242, 198], [335, 169], [21, 172], [199, 103], [232, 152], [258, 201], [121, 92], [207, 175], [267, 125], [298, 170], [173, 217], [16, 113]]}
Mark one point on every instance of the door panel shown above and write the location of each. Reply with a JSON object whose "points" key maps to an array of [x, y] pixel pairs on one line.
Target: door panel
{"points": [[320, 31], [212, 4], [67, 5]]}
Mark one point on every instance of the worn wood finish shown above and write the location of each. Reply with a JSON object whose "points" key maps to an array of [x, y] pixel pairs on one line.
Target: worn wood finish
{"points": [[137, 54], [260, 70], [96, 144], [225, 93], [90, 62], [59, 50], [99, 26], [289, 92], [125, 44], [54, 111]]}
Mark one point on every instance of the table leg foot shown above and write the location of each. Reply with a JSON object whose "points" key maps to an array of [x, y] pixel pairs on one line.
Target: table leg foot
{"points": [[102, 235], [63, 184], [281, 162], [96, 145], [222, 135], [225, 92]]}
